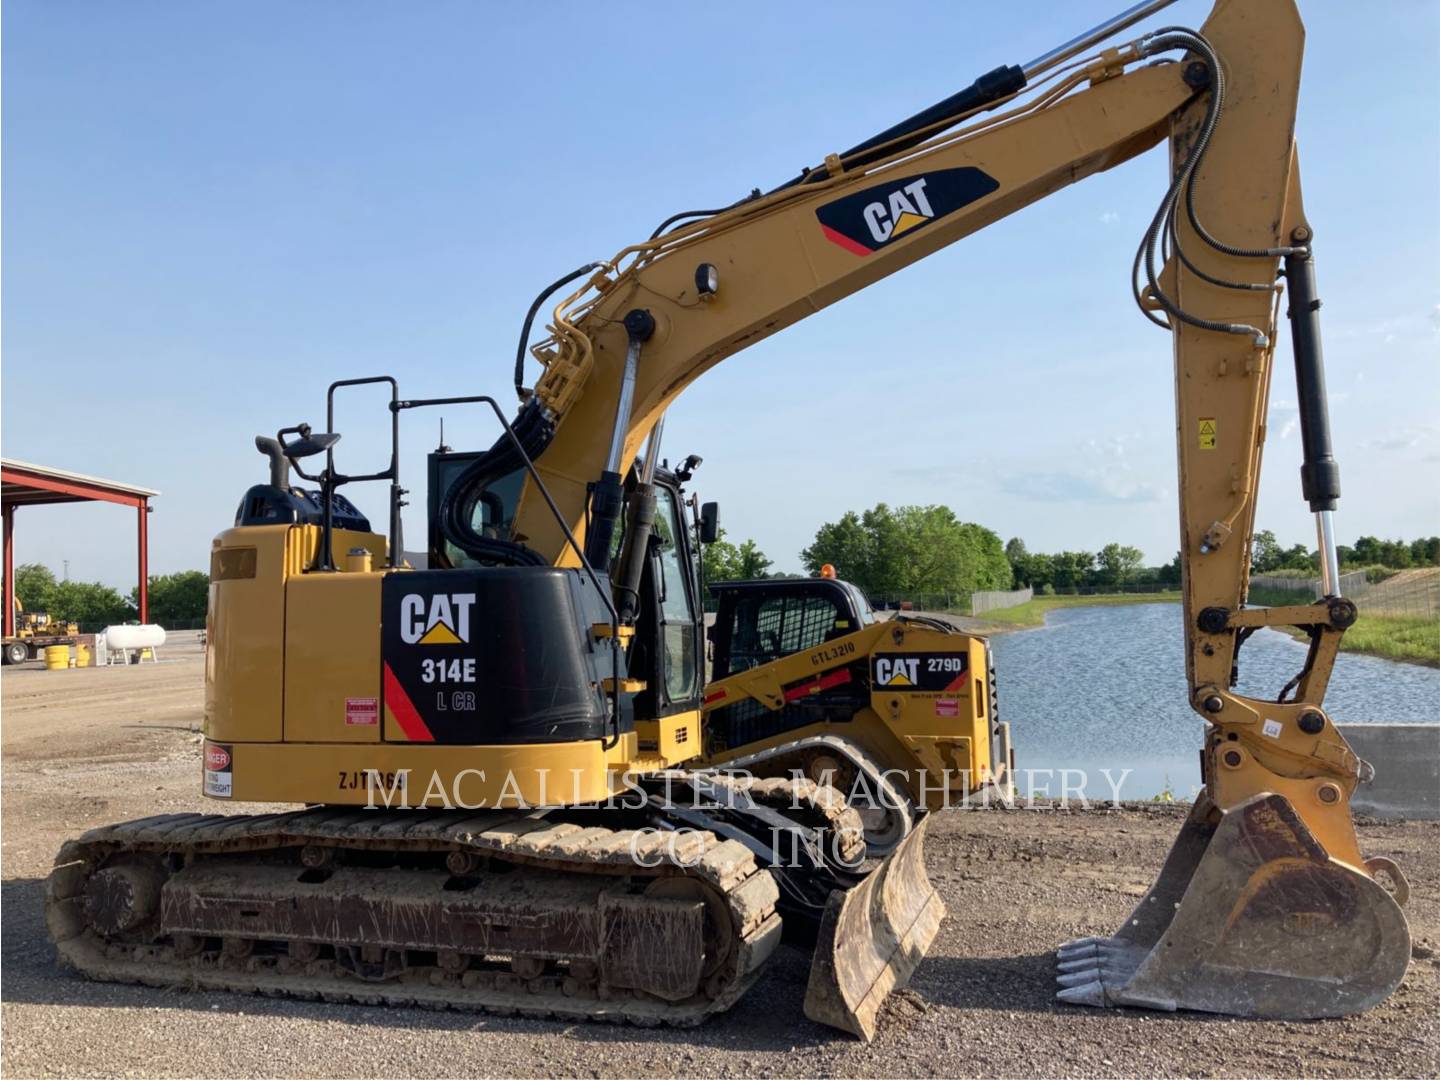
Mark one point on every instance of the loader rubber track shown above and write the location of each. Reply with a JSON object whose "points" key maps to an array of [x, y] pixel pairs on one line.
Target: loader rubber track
{"points": [[163, 857], [818, 805]]}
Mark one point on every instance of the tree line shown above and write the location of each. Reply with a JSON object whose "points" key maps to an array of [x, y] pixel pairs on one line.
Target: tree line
{"points": [[915, 550], [1267, 556], [888, 552], [1114, 566], [174, 599]]}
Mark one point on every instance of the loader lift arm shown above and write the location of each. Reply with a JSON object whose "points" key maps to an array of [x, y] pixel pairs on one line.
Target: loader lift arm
{"points": [[647, 323]]}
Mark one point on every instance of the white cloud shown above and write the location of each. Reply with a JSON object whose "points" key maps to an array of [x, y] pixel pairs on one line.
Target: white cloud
{"points": [[1401, 439]]}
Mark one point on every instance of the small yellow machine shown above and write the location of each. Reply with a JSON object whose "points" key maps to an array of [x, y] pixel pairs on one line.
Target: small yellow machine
{"points": [[899, 715], [34, 630], [535, 695]]}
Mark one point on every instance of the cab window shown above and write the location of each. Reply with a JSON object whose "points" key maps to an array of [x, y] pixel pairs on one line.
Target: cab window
{"points": [[679, 661], [766, 628]]}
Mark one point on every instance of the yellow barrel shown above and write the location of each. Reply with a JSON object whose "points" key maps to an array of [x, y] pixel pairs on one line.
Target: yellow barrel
{"points": [[82, 655], [57, 657]]}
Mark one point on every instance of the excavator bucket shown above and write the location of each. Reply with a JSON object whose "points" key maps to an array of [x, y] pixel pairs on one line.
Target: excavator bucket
{"points": [[872, 937], [1251, 917]]}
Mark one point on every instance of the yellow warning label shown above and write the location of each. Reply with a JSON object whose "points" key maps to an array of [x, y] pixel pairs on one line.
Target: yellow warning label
{"points": [[1207, 433]]}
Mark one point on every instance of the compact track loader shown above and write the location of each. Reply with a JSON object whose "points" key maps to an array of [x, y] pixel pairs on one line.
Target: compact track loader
{"points": [[503, 753]]}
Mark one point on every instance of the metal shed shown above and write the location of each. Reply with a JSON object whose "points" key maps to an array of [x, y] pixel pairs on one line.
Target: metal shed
{"points": [[24, 484]]}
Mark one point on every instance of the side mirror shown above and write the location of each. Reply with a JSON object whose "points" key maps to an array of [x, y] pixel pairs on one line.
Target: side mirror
{"points": [[310, 445], [709, 522]]}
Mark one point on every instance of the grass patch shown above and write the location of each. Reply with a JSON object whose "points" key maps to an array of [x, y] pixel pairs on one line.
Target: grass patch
{"points": [[1032, 612], [1395, 637], [1411, 638], [1262, 597]]}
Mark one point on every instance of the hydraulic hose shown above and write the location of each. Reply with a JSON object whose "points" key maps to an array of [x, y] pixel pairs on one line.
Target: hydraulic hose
{"points": [[530, 320], [456, 517]]}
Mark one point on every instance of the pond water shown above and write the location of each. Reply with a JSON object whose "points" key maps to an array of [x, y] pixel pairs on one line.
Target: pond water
{"points": [[1103, 688]]}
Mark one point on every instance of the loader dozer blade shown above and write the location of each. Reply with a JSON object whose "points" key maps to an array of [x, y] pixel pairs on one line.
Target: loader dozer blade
{"points": [[1250, 916], [872, 937]]}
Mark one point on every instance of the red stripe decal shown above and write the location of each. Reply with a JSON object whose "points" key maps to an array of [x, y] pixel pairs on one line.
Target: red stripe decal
{"points": [[844, 241], [957, 682], [400, 706], [714, 695], [835, 678]]}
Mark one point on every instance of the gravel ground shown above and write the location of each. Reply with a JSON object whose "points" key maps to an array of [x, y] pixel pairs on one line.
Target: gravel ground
{"points": [[84, 747]]}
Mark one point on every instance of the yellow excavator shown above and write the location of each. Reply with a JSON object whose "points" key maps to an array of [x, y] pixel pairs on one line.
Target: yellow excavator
{"points": [[504, 752]]}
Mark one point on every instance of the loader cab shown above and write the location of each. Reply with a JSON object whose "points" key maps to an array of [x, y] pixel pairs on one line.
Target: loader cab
{"points": [[760, 621]]}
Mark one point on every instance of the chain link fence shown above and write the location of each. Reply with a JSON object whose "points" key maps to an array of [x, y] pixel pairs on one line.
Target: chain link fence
{"points": [[1413, 593], [981, 602]]}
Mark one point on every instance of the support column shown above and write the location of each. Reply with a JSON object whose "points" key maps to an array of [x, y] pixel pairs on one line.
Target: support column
{"points": [[9, 597], [143, 544]]}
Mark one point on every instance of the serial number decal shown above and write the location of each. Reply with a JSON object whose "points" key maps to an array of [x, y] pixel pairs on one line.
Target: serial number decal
{"points": [[833, 652], [353, 779]]}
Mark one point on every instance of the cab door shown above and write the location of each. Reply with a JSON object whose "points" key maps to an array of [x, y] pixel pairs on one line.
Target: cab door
{"points": [[676, 609]]}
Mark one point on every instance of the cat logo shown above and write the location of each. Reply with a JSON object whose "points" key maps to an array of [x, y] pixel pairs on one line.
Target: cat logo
{"points": [[897, 670], [866, 221], [900, 212], [446, 620]]}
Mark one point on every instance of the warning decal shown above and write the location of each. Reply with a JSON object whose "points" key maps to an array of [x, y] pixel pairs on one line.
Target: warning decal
{"points": [[362, 711], [219, 771], [1207, 433]]}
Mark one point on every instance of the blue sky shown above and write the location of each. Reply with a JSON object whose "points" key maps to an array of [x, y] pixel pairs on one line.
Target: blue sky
{"points": [[212, 210]]}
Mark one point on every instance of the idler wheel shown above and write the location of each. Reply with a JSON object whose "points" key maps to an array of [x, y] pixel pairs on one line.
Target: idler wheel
{"points": [[122, 898]]}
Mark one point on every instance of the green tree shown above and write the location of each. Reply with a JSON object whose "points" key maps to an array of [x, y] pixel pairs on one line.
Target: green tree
{"points": [[92, 605], [1297, 558], [1018, 557], [723, 561], [177, 598], [909, 551], [1039, 572], [1072, 568], [1117, 563], [1367, 551], [1395, 554], [34, 586], [753, 561], [1169, 574], [1265, 552], [1426, 551]]}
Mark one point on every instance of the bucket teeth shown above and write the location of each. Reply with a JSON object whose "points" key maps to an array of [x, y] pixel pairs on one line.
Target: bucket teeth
{"points": [[1091, 993], [1250, 916]]}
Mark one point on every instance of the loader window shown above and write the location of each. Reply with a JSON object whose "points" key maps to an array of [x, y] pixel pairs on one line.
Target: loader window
{"points": [[769, 627]]}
